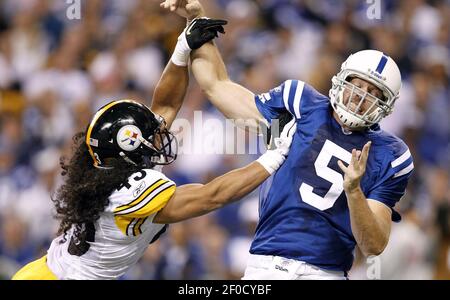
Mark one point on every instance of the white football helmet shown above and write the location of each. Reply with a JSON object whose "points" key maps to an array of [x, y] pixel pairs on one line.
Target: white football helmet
{"points": [[372, 66]]}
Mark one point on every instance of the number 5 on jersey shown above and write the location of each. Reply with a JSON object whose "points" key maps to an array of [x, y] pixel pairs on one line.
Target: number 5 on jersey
{"points": [[336, 179]]}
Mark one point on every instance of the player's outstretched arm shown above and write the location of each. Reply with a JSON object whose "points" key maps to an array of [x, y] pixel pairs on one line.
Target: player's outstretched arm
{"points": [[193, 200]]}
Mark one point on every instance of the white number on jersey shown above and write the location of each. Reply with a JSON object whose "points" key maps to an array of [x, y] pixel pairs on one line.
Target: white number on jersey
{"points": [[329, 150]]}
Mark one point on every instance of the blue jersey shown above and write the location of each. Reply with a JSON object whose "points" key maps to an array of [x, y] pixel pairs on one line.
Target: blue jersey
{"points": [[303, 207]]}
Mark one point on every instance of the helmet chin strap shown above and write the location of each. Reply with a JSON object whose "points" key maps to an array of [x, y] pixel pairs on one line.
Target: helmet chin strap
{"points": [[349, 120]]}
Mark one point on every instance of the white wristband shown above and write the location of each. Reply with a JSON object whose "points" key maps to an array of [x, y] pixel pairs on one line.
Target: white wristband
{"points": [[180, 56], [271, 160]]}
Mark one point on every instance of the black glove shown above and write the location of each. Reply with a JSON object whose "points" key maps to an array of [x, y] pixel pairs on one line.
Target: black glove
{"points": [[202, 30], [283, 119]]}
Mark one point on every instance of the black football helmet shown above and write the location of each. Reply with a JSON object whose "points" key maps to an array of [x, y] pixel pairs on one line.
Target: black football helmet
{"points": [[129, 130]]}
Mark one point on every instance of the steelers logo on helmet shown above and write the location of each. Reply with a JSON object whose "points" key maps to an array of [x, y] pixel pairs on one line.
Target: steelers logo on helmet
{"points": [[128, 137]]}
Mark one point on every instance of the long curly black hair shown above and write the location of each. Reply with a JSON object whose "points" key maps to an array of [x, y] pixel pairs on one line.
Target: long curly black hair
{"points": [[86, 189]]}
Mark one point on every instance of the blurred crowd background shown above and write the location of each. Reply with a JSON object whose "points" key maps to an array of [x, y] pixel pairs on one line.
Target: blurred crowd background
{"points": [[55, 72]]}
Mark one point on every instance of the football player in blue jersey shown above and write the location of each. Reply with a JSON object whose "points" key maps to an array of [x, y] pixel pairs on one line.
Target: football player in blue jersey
{"points": [[344, 175]]}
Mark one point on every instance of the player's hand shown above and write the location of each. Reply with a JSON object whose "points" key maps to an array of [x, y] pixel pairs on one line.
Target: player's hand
{"points": [[273, 159], [283, 143], [271, 134], [202, 30], [356, 169], [197, 33], [189, 9]]}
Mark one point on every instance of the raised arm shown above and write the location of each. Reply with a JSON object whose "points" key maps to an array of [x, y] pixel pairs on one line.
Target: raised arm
{"points": [[230, 98], [233, 100], [370, 220], [171, 88], [170, 91]]}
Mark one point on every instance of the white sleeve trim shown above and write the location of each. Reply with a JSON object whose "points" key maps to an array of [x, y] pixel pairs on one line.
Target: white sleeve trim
{"points": [[287, 90], [298, 96], [404, 171], [401, 159]]}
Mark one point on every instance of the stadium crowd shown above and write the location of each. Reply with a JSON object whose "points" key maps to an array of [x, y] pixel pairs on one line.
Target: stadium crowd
{"points": [[55, 71]]}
